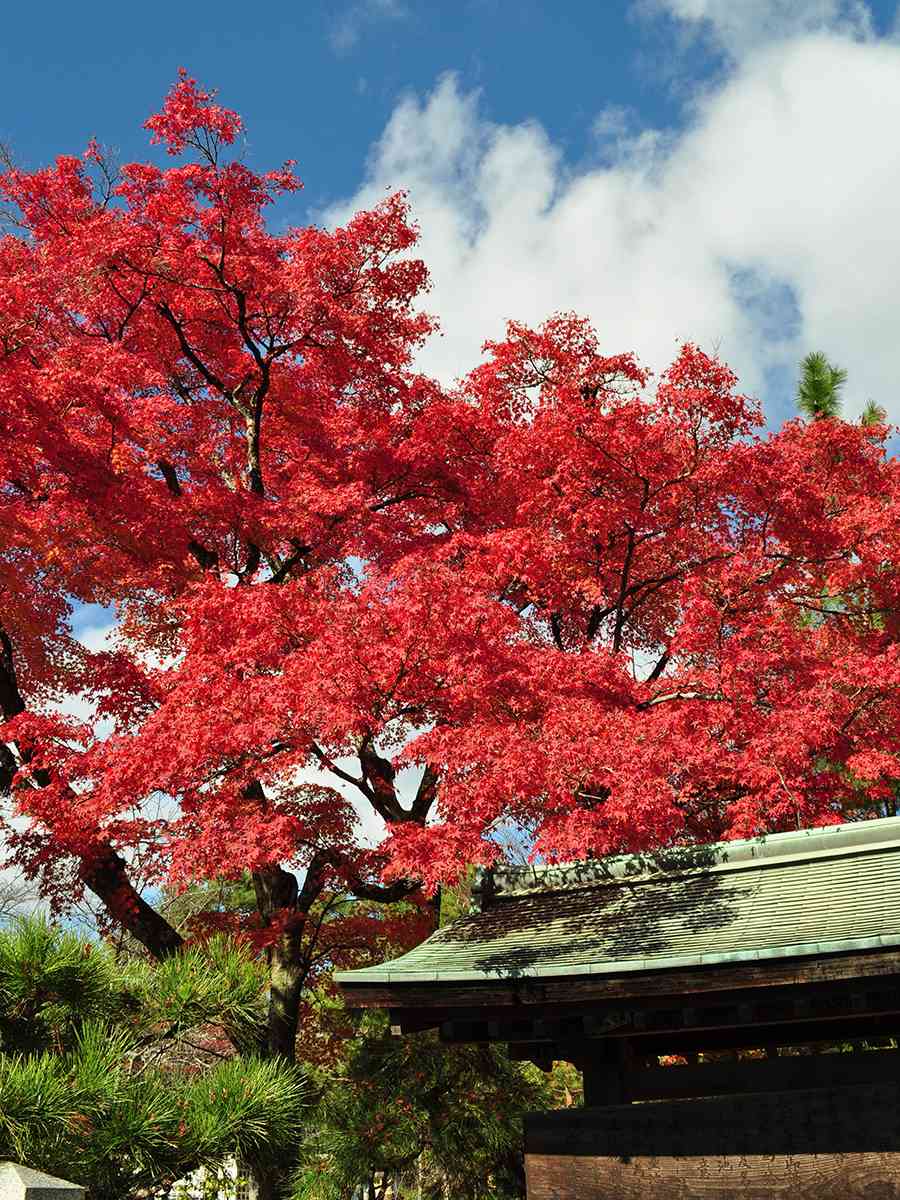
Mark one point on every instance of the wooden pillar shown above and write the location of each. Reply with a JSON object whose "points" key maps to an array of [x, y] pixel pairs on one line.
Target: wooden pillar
{"points": [[604, 1067]]}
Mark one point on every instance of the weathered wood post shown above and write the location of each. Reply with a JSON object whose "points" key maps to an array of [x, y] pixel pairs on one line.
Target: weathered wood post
{"points": [[21, 1183]]}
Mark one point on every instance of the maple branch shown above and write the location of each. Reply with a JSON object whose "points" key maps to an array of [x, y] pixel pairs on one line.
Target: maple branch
{"points": [[188, 351], [661, 664], [253, 417], [426, 794], [381, 505], [597, 617], [379, 774], [556, 630], [665, 697], [254, 429], [650, 587], [11, 702], [331, 903], [314, 882], [287, 564], [106, 876], [207, 560], [623, 590], [102, 870], [329, 764], [131, 306], [254, 558], [275, 889], [381, 893], [170, 475], [857, 712]]}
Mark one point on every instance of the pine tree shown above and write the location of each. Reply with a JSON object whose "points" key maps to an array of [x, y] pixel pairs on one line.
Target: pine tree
{"points": [[118, 1075], [873, 414], [819, 389]]}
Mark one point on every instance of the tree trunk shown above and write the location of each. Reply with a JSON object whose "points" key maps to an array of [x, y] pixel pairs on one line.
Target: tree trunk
{"points": [[277, 898], [106, 877], [286, 979], [270, 1184]]}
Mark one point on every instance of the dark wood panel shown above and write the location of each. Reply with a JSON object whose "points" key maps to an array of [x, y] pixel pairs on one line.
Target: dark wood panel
{"points": [[763, 1007], [769, 1004], [784, 1073], [783, 1034], [839, 1120]]}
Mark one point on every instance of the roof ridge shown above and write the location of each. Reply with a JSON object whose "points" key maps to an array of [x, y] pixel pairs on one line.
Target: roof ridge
{"points": [[826, 841]]}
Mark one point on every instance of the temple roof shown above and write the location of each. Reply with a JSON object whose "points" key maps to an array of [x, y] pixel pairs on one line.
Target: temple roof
{"points": [[812, 892]]}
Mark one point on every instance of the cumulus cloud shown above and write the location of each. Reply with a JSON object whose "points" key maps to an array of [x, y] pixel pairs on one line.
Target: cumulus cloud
{"points": [[764, 227], [738, 27]]}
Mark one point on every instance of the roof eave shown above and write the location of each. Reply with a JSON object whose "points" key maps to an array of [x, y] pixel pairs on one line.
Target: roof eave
{"points": [[376, 977]]}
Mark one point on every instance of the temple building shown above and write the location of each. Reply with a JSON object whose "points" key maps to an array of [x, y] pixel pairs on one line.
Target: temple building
{"points": [[734, 1008]]}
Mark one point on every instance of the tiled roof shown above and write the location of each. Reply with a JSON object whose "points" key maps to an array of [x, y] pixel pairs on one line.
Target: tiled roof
{"points": [[810, 892]]}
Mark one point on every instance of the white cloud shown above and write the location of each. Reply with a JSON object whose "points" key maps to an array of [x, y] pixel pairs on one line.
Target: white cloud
{"points": [[95, 636], [353, 22], [740, 26], [764, 228]]}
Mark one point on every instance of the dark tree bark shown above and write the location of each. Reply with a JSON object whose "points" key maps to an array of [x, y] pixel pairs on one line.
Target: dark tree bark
{"points": [[105, 875]]}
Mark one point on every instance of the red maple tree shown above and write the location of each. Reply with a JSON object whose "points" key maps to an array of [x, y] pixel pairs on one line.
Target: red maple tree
{"points": [[607, 609]]}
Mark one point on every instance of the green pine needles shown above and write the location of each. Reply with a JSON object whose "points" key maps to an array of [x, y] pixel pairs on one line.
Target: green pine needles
{"points": [[819, 393], [819, 389], [122, 1076]]}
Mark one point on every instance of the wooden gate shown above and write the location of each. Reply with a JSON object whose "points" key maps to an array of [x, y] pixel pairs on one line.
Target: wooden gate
{"points": [[826, 1144]]}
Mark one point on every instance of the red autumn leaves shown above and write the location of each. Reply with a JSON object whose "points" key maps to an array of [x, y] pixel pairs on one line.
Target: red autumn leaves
{"points": [[602, 606]]}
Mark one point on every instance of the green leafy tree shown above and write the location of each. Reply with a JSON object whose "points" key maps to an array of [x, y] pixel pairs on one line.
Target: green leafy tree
{"points": [[119, 1075], [819, 389], [421, 1118]]}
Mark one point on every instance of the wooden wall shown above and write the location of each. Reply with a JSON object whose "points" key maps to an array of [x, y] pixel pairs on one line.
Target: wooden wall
{"points": [[827, 1144], [800, 1177]]}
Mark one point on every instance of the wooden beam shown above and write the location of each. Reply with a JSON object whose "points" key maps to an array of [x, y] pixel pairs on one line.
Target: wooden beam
{"points": [[819, 1176], [777, 1011], [840, 1120], [784, 1073], [562, 989]]}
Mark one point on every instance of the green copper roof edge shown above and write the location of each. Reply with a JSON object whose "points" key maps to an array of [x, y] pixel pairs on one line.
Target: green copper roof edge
{"points": [[381, 975], [820, 842], [743, 864]]}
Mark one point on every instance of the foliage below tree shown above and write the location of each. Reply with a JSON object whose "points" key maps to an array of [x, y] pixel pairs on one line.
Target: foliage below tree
{"points": [[114, 1076], [434, 1120]]}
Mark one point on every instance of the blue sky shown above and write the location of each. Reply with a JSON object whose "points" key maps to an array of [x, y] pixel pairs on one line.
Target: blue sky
{"points": [[318, 81], [712, 170]]}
